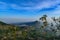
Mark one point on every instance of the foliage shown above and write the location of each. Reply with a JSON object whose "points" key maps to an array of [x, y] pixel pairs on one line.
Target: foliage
{"points": [[11, 32]]}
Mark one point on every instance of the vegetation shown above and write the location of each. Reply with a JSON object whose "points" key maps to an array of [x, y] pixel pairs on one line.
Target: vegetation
{"points": [[2, 23], [12, 32]]}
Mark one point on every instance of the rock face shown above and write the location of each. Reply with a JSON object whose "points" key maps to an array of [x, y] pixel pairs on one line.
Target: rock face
{"points": [[50, 25]]}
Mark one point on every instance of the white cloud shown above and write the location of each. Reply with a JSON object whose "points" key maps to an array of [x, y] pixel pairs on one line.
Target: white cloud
{"points": [[56, 11], [36, 6], [3, 6]]}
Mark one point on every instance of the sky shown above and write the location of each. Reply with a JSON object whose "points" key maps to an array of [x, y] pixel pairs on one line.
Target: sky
{"points": [[27, 10]]}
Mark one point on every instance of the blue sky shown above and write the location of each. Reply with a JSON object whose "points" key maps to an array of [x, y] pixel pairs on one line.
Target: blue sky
{"points": [[27, 10]]}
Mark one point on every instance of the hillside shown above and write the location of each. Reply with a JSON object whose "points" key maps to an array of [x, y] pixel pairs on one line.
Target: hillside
{"points": [[44, 29], [2, 23]]}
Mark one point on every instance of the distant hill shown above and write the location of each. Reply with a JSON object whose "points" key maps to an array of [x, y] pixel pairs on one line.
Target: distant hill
{"points": [[26, 23], [2, 23]]}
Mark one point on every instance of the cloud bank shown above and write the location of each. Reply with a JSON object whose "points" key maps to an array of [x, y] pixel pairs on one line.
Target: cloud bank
{"points": [[31, 5]]}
